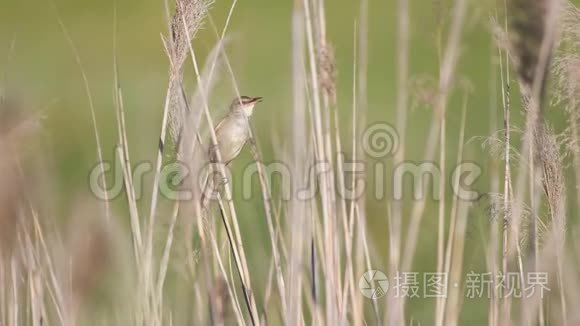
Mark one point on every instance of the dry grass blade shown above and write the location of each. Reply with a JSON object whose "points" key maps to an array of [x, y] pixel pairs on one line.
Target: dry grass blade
{"points": [[445, 80], [186, 153], [124, 154], [91, 106], [394, 306], [189, 14], [316, 39], [299, 224]]}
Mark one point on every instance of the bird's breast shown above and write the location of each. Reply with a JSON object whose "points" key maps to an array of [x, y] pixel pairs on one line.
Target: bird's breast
{"points": [[232, 135]]}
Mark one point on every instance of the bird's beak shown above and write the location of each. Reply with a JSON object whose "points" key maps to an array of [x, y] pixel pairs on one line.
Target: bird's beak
{"points": [[256, 100]]}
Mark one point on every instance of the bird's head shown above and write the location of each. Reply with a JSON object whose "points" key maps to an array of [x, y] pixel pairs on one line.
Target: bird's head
{"points": [[244, 105]]}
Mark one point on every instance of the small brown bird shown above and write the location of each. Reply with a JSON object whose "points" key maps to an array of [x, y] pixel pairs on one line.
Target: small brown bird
{"points": [[232, 133]]}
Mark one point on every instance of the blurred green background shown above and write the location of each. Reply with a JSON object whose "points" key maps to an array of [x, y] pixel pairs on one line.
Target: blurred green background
{"points": [[41, 68]]}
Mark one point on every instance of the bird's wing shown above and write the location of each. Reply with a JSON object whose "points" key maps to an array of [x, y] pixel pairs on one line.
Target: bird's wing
{"points": [[218, 130], [220, 124]]}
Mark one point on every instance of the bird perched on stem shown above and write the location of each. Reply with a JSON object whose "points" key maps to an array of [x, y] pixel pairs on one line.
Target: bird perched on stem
{"points": [[232, 133]]}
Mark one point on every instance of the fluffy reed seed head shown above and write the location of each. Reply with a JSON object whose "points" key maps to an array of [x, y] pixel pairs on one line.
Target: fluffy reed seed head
{"points": [[327, 71], [529, 24], [186, 22]]}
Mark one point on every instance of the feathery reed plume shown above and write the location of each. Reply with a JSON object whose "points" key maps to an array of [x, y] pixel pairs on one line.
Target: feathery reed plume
{"points": [[327, 71], [192, 12], [532, 39], [553, 181], [531, 42], [499, 210], [566, 89], [187, 20]]}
